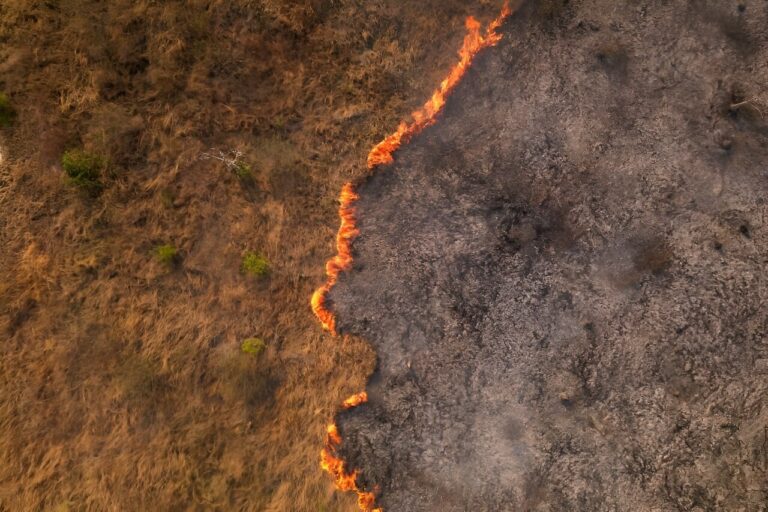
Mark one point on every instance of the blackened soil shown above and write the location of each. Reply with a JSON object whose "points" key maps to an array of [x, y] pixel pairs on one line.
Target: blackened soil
{"points": [[565, 279]]}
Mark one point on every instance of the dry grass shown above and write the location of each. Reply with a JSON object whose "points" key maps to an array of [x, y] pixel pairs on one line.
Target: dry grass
{"points": [[122, 385]]}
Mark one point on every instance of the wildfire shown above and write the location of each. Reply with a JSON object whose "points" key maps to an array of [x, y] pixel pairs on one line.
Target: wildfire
{"points": [[341, 261], [355, 400], [345, 480], [474, 42], [382, 154]]}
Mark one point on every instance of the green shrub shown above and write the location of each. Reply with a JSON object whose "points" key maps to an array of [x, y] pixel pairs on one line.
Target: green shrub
{"points": [[242, 171], [253, 346], [83, 169], [7, 113], [166, 254], [255, 264]]}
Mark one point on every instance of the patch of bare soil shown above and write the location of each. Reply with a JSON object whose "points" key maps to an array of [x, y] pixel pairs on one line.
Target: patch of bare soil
{"points": [[564, 279], [125, 300]]}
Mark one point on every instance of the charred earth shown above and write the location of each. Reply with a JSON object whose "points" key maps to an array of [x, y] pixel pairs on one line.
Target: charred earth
{"points": [[564, 278]]}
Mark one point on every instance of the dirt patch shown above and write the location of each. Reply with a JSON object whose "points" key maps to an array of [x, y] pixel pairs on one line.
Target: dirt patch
{"points": [[563, 279]]}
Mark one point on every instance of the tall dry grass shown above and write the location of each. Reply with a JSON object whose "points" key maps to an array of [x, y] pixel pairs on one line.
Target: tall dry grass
{"points": [[122, 385]]}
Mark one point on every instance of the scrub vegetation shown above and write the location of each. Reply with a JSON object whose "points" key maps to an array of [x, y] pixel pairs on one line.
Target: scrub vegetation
{"points": [[166, 254], [253, 346], [82, 169], [255, 264], [7, 113]]}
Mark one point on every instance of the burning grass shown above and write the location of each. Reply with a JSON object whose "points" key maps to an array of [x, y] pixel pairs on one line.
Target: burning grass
{"points": [[383, 153], [344, 478], [474, 42]]}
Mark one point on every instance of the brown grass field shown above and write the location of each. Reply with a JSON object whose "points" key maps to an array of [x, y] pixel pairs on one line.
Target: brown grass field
{"points": [[123, 385]]}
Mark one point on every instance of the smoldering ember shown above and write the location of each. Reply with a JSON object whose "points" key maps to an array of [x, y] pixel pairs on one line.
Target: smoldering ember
{"points": [[564, 277]]}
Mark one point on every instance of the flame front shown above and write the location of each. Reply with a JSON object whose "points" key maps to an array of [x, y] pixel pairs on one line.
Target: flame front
{"points": [[345, 480], [474, 42], [355, 400], [341, 261], [382, 154]]}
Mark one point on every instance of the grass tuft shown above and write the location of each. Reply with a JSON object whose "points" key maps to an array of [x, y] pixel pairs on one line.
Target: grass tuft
{"points": [[243, 171], [253, 346], [167, 254], [255, 264], [83, 169], [7, 112]]}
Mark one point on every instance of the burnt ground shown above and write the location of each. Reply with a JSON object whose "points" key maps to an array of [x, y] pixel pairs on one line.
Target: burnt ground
{"points": [[564, 279]]}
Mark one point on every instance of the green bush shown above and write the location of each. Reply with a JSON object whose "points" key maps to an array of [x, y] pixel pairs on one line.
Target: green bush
{"points": [[243, 171], [255, 264], [253, 346], [166, 254], [7, 113], [83, 169]]}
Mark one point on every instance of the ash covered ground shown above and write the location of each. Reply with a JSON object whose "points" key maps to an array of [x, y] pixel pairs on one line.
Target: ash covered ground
{"points": [[565, 278]]}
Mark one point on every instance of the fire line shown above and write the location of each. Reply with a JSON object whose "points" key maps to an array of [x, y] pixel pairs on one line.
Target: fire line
{"points": [[382, 154]]}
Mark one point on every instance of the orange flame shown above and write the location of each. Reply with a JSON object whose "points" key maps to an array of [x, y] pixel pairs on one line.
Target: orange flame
{"points": [[345, 480], [355, 400], [341, 261], [333, 434], [474, 42], [382, 154]]}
